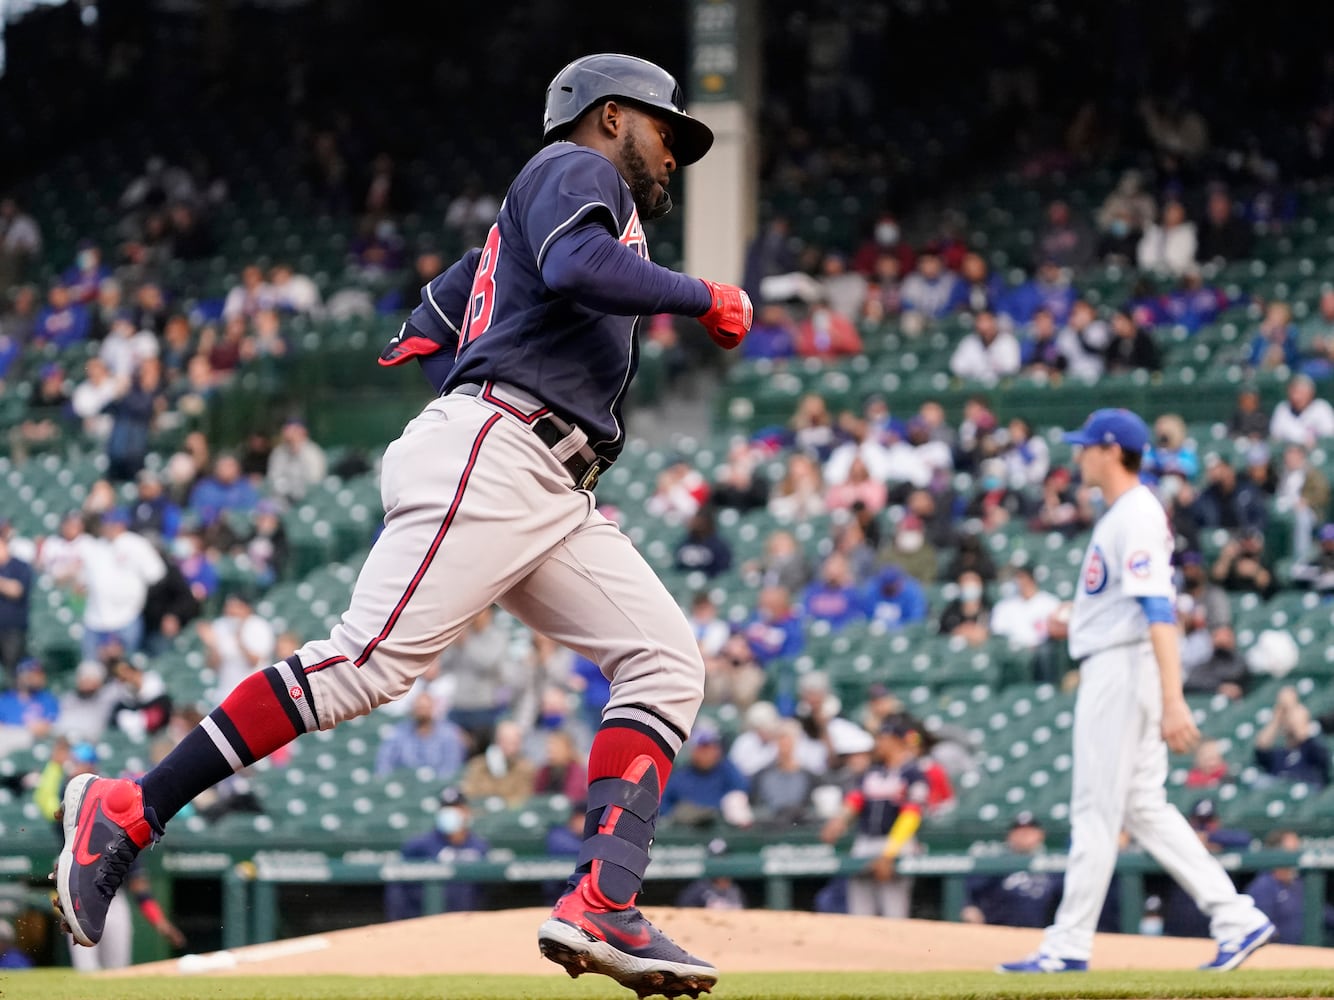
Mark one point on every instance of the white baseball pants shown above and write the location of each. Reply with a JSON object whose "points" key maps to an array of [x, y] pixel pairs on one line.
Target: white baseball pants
{"points": [[1120, 766], [479, 511]]}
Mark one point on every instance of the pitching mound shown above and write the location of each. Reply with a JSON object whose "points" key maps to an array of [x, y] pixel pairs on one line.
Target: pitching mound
{"points": [[746, 941]]}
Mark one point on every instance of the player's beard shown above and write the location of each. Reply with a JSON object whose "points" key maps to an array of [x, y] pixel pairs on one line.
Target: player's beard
{"points": [[642, 182]]}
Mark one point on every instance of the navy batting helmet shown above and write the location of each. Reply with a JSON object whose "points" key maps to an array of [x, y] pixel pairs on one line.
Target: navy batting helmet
{"points": [[587, 82]]}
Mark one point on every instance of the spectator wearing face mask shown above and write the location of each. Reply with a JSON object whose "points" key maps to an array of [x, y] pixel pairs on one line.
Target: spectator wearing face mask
{"points": [[827, 334], [503, 770], [1209, 661], [966, 616], [886, 240], [452, 839], [1021, 617]]}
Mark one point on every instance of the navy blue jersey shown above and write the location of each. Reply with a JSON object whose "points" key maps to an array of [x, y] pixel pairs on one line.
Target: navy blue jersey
{"points": [[497, 307], [884, 792]]}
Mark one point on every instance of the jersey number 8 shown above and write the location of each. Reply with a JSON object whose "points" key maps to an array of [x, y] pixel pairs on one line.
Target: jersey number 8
{"points": [[482, 299]]}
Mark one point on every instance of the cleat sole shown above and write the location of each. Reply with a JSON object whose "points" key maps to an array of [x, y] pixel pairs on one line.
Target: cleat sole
{"points": [[577, 953]]}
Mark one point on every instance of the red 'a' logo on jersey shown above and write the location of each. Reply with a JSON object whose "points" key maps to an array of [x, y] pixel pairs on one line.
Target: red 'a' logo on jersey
{"points": [[633, 236]]}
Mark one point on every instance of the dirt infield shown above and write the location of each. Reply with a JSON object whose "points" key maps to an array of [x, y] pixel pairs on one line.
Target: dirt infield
{"points": [[745, 941]]}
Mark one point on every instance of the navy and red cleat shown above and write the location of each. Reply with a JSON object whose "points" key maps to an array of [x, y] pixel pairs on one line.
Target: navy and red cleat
{"points": [[586, 934], [105, 826]]}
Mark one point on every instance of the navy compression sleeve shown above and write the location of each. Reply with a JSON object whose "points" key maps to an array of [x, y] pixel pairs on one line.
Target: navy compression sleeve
{"points": [[1158, 610], [592, 267]]}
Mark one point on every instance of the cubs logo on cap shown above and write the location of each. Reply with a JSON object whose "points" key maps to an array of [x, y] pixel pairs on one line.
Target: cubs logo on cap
{"points": [[1112, 426]]}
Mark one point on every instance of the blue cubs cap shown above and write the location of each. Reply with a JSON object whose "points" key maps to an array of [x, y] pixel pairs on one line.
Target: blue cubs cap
{"points": [[1112, 427]]}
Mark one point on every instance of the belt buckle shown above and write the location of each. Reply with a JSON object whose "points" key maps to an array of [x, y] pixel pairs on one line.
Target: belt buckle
{"points": [[590, 477]]}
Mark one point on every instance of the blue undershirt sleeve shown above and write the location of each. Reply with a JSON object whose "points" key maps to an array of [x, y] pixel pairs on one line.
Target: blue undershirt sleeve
{"points": [[1158, 610], [591, 266]]}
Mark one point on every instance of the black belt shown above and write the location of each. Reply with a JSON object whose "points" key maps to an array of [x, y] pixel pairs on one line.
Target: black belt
{"points": [[584, 466]]}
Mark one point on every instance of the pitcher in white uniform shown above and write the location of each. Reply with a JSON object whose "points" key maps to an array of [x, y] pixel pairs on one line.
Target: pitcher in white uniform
{"points": [[1129, 710]]}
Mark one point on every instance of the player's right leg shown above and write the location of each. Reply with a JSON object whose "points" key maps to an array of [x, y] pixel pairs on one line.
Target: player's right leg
{"points": [[1235, 922], [461, 526], [1108, 719], [595, 594]]}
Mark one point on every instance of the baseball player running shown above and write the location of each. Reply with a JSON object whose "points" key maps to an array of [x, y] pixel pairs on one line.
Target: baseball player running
{"points": [[531, 341], [1129, 710]]}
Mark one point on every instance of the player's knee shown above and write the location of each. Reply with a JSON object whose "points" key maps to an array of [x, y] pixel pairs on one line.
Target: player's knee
{"points": [[1144, 805], [352, 699]]}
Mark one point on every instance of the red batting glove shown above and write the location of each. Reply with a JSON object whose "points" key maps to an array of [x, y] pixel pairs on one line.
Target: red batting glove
{"points": [[728, 318]]}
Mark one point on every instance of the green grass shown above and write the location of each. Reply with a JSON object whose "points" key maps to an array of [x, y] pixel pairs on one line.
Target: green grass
{"points": [[64, 985]]}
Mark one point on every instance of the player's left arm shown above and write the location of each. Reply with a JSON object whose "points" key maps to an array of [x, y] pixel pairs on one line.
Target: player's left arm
{"points": [[575, 236], [431, 333], [1146, 575], [909, 819], [1179, 729]]}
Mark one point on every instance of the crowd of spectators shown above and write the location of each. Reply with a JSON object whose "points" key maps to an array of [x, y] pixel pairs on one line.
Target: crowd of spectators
{"points": [[141, 564], [822, 302]]}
